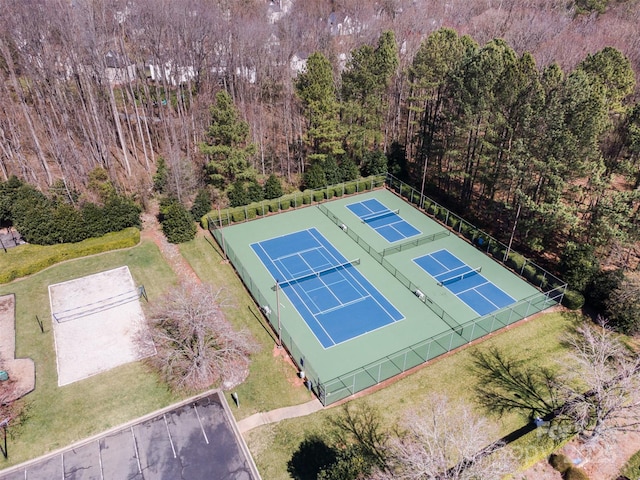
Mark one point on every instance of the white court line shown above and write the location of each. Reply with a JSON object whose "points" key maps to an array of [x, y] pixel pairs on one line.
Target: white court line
{"points": [[195, 407], [301, 299], [366, 290], [166, 424], [469, 289], [294, 253], [338, 307], [465, 268]]}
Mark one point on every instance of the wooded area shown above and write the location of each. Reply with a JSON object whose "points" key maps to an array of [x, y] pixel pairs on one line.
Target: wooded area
{"points": [[521, 114]]}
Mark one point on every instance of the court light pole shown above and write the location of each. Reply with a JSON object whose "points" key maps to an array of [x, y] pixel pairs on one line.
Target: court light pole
{"points": [[224, 250], [278, 314]]}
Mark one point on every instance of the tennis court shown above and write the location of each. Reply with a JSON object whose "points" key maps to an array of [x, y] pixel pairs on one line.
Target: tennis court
{"points": [[464, 281], [354, 309], [328, 291], [388, 223]]}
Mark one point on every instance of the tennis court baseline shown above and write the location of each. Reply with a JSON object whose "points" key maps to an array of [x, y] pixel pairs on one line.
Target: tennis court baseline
{"points": [[335, 300], [464, 282], [391, 226]]}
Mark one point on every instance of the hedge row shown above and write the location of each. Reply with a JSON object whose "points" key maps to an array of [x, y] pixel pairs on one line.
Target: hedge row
{"points": [[253, 210], [28, 259]]}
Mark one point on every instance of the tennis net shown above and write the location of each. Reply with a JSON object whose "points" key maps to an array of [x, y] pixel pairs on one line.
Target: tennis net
{"points": [[460, 276], [318, 273], [374, 216]]}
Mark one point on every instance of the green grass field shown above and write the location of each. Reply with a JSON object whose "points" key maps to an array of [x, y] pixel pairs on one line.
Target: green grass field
{"points": [[273, 445], [57, 416]]}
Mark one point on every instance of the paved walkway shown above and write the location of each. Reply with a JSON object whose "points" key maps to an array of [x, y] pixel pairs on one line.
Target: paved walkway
{"points": [[264, 418]]}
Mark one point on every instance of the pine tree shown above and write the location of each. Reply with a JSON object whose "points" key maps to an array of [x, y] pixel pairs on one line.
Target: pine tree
{"points": [[272, 187], [316, 89], [227, 146]]}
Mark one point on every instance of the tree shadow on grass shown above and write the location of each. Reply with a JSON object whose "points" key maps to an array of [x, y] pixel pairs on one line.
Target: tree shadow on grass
{"points": [[312, 456], [511, 385]]}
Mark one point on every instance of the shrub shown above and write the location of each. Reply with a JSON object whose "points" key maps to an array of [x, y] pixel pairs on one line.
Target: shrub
{"points": [[306, 198], [337, 191], [272, 187], [177, 223], [363, 186], [433, 209], [530, 273], [285, 204], [314, 176], [251, 212], [454, 222], [541, 280], [237, 215], [560, 462], [328, 193], [350, 188], [515, 261], [261, 209], [573, 300], [598, 292], [498, 252], [579, 265], [274, 206], [442, 214], [201, 204], [575, 473], [318, 196], [255, 192], [28, 259], [237, 194]]}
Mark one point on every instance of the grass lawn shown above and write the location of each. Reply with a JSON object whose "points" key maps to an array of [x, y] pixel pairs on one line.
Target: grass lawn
{"points": [[272, 381], [632, 467], [536, 341], [57, 416]]}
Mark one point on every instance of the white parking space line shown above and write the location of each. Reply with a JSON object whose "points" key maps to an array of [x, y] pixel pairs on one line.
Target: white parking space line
{"points": [[195, 407], [166, 424], [100, 461], [135, 446]]}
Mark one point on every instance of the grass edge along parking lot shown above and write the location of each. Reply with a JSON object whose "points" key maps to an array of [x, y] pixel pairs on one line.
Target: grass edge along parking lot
{"points": [[57, 416], [272, 445]]}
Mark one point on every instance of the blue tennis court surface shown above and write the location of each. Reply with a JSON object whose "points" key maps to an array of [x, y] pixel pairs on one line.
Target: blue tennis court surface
{"points": [[384, 221], [464, 282], [328, 291]]}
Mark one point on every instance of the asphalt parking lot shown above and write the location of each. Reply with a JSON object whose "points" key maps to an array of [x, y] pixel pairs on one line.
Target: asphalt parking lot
{"points": [[191, 441]]}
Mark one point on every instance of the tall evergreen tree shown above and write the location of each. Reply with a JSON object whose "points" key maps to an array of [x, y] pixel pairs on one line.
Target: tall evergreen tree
{"points": [[365, 84], [316, 89], [227, 147]]}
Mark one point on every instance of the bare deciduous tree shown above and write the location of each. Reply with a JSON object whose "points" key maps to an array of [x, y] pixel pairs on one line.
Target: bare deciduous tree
{"points": [[196, 346], [445, 441], [602, 387]]}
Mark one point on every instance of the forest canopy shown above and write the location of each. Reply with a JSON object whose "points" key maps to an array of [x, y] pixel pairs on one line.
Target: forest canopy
{"points": [[493, 109]]}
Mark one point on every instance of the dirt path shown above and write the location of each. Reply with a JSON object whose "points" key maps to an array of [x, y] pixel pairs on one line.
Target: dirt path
{"points": [[22, 371], [151, 230]]}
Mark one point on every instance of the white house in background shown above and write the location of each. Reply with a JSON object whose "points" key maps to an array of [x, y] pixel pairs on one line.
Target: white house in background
{"points": [[118, 68], [342, 24], [298, 62], [277, 9], [170, 73]]}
